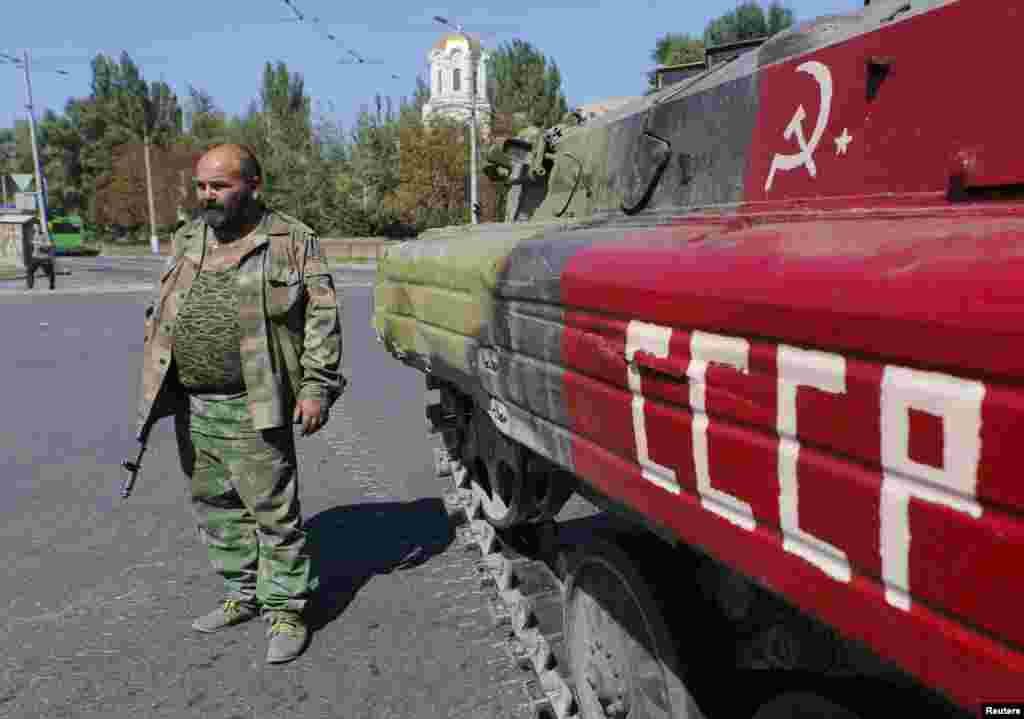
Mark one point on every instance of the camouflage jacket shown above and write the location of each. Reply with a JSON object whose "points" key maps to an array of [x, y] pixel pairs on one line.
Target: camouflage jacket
{"points": [[291, 331]]}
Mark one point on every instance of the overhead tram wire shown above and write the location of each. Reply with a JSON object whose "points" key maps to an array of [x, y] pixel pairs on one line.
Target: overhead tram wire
{"points": [[18, 61], [355, 57]]}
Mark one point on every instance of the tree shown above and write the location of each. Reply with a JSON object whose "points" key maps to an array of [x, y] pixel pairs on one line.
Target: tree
{"points": [[375, 151], [279, 128], [285, 110], [525, 81], [431, 191], [152, 115], [127, 109], [206, 123], [747, 21], [120, 194], [8, 156], [18, 148], [87, 143], [60, 159], [8, 148], [674, 48], [410, 113]]}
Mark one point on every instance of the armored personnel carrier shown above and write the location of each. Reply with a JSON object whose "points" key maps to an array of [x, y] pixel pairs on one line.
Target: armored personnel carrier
{"points": [[772, 317]]}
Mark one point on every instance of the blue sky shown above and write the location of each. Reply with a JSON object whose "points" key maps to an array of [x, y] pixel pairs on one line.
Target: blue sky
{"points": [[602, 48]]}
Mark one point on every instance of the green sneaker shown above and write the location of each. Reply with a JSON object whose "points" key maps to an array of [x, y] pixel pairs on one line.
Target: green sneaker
{"points": [[288, 636], [233, 611]]}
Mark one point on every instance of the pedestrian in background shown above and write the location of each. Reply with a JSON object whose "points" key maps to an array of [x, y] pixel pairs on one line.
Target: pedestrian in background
{"points": [[244, 341], [40, 254]]}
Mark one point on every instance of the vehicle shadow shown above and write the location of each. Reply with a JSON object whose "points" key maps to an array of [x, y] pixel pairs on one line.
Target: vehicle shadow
{"points": [[352, 544]]}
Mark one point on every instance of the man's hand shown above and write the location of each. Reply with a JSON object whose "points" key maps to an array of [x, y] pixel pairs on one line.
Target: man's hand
{"points": [[309, 413]]}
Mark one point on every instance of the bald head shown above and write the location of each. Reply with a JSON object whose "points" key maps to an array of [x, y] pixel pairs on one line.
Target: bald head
{"points": [[231, 159], [227, 178]]}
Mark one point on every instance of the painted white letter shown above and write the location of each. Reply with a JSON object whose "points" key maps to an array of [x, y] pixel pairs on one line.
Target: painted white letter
{"points": [[957, 403], [827, 372], [732, 351], [653, 339]]}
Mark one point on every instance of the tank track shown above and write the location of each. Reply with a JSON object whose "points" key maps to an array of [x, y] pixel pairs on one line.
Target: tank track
{"points": [[524, 591]]}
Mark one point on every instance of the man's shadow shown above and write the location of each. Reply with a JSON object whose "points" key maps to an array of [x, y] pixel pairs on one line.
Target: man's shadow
{"points": [[352, 544]]}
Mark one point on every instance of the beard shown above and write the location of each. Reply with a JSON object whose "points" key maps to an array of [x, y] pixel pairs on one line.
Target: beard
{"points": [[227, 219], [217, 217]]}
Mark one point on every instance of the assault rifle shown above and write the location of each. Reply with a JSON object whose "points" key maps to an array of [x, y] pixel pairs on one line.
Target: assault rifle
{"points": [[133, 468]]}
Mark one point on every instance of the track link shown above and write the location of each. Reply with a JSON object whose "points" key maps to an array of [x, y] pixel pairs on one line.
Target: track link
{"points": [[525, 594]]}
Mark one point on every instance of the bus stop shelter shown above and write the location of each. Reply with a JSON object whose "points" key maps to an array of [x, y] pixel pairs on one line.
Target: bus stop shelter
{"points": [[22, 245]]}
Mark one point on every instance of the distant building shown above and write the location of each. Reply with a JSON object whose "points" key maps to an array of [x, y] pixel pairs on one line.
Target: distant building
{"points": [[454, 60], [713, 56], [17, 191]]}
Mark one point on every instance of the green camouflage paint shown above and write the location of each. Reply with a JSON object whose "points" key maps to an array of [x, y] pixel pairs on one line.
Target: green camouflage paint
{"points": [[288, 314], [244, 497]]}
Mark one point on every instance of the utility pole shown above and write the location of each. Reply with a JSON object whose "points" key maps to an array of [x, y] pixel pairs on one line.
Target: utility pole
{"points": [[40, 188], [154, 241], [472, 142]]}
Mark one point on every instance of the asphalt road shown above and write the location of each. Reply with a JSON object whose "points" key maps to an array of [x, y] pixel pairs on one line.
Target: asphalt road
{"points": [[99, 592]]}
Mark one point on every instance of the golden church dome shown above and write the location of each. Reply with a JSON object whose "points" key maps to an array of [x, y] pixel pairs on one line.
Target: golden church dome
{"points": [[457, 38]]}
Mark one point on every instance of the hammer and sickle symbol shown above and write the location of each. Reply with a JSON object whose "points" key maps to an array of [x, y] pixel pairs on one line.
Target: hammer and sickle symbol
{"points": [[805, 157]]}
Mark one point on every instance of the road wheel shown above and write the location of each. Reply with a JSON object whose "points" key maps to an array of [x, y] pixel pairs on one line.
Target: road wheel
{"points": [[501, 495], [621, 654], [547, 488]]}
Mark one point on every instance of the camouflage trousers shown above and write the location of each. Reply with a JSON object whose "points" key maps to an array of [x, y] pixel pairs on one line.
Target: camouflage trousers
{"points": [[245, 500]]}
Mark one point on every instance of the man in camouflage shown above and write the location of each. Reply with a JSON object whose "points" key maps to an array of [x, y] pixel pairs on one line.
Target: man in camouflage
{"points": [[243, 341]]}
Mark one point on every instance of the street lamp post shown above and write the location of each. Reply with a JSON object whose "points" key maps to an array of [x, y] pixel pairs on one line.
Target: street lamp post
{"points": [[40, 187], [472, 144], [472, 124]]}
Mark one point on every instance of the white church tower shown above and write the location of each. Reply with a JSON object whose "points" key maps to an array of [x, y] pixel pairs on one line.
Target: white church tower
{"points": [[452, 61]]}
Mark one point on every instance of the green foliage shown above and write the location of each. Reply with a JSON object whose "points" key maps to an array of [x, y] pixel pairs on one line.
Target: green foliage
{"points": [[279, 129], [748, 21], [207, 125], [524, 80], [434, 164], [16, 148], [410, 113], [375, 150], [341, 181], [140, 110], [674, 48], [78, 145]]}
